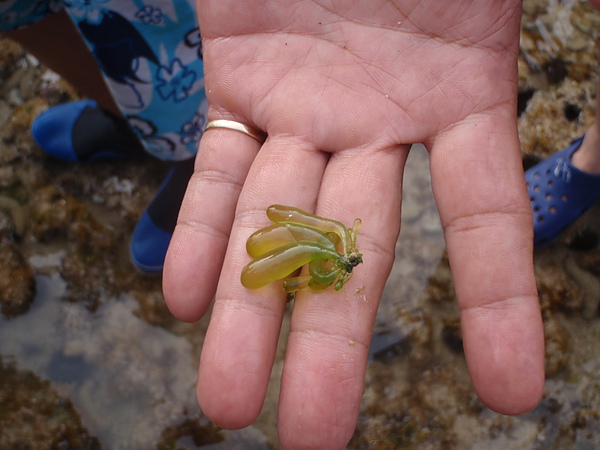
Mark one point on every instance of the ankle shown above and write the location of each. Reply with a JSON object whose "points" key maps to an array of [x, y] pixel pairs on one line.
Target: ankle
{"points": [[587, 157]]}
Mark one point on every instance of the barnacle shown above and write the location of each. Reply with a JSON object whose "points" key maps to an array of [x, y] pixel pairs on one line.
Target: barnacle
{"points": [[297, 238]]}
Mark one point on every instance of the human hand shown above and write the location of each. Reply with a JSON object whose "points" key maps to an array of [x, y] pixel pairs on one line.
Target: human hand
{"points": [[342, 89]]}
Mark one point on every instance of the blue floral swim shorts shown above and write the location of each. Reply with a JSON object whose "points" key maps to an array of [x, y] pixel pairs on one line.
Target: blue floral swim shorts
{"points": [[150, 54]]}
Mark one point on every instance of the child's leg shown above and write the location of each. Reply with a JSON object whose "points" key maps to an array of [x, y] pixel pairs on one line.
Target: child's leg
{"points": [[151, 59]]}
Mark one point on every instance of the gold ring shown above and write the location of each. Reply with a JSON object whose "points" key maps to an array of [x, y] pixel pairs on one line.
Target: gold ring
{"points": [[254, 133]]}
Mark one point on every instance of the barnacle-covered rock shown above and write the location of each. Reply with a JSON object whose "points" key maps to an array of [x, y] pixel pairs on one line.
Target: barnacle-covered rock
{"points": [[56, 214]]}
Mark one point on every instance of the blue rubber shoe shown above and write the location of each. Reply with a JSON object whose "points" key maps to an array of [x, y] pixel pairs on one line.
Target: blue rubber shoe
{"points": [[149, 245], [559, 193], [82, 131], [154, 230]]}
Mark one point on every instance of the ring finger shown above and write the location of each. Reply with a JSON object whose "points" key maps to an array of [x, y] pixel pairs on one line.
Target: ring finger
{"points": [[197, 248]]}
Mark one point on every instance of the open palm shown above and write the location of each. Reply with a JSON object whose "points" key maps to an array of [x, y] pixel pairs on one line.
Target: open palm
{"points": [[343, 88]]}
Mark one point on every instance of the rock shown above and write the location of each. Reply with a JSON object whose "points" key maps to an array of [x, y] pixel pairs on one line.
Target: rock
{"points": [[34, 416], [557, 347], [556, 289], [17, 280]]}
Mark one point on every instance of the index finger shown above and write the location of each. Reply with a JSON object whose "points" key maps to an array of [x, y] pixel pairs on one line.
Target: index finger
{"points": [[479, 186]]}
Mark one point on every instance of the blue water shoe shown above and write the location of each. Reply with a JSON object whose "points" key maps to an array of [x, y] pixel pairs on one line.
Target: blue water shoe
{"points": [[155, 228], [82, 131], [559, 193]]}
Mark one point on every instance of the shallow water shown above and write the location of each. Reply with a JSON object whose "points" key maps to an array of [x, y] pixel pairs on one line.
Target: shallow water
{"points": [[128, 380], [97, 335]]}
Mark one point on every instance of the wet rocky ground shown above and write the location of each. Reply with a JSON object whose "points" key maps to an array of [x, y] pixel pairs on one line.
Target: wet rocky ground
{"points": [[91, 358]]}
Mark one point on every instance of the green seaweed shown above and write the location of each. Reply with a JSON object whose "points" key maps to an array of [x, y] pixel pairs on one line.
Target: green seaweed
{"points": [[297, 238]]}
